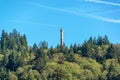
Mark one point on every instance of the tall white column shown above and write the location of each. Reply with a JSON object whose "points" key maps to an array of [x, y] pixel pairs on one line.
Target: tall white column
{"points": [[61, 37]]}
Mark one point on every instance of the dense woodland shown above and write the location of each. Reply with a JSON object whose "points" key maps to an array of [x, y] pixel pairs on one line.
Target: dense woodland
{"points": [[96, 59]]}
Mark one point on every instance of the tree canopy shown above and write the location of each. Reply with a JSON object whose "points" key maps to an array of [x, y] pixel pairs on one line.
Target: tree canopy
{"points": [[96, 59]]}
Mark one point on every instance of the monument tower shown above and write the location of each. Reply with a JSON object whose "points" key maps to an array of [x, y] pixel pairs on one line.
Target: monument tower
{"points": [[61, 37]]}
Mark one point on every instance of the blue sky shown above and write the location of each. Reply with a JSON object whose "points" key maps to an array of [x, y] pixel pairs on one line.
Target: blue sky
{"points": [[42, 19]]}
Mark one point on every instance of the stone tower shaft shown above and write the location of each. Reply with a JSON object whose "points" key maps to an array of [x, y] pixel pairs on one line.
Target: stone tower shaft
{"points": [[61, 37]]}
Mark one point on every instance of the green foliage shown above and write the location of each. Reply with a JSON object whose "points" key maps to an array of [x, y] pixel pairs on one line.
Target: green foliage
{"points": [[95, 59], [3, 74], [13, 41], [43, 45], [113, 68], [12, 76]]}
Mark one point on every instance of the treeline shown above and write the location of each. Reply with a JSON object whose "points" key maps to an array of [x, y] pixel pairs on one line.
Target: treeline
{"points": [[95, 59]]}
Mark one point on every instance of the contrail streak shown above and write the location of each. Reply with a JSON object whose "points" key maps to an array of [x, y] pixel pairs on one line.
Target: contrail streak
{"points": [[104, 2]]}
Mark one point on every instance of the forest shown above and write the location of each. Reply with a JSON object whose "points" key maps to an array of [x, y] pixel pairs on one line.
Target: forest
{"points": [[95, 59]]}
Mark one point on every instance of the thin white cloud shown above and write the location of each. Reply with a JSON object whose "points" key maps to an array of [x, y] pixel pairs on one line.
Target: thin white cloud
{"points": [[79, 13], [104, 2], [106, 19], [56, 9]]}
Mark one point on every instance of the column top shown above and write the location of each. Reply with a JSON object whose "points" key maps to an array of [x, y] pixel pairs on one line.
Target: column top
{"points": [[61, 29]]}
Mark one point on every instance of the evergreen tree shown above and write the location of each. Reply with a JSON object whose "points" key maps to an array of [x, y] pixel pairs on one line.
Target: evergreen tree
{"points": [[43, 45], [99, 40], [110, 52], [35, 47], [4, 41], [105, 40]]}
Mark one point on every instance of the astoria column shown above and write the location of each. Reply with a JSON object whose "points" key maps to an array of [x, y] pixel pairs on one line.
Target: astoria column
{"points": [[61, 37]]}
